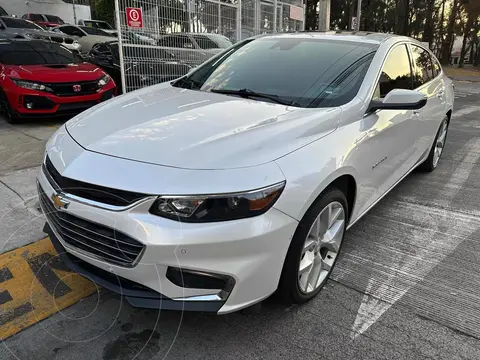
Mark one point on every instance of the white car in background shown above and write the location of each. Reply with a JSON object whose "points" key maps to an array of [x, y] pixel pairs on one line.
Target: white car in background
{"points": [[86, 36], [99, 24], [240, 179]]}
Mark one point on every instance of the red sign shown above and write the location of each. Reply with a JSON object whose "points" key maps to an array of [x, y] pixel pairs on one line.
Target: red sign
{"points": [[134, 17]]}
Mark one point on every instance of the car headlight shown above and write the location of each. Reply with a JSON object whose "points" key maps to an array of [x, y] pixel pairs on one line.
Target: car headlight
{"points": [[222, 207], [104, 80], [31, 85]]}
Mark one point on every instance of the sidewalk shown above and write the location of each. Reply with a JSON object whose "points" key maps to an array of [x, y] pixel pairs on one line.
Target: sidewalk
{"points": [[466, 74]]}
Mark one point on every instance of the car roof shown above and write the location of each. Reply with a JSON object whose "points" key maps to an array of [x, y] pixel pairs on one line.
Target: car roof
{"points": [[354, 36]]}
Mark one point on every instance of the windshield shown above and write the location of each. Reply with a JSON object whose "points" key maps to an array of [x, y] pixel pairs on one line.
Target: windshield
{"points": [[306, 71], [19, 23], [94, 31], [36, 52], [54, 19], [98, 24]]}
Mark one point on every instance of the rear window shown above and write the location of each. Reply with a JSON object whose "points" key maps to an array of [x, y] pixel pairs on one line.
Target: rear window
{"points": [[3, 12], [36, 53], [94, 31], [19, 23], [97, 24], [54, 19], [310, 72]]}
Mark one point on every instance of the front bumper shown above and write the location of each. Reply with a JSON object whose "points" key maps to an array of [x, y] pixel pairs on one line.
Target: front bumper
{"points": [[50, 105], [249, 251]]}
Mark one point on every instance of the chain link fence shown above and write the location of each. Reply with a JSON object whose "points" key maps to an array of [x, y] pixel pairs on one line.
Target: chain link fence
{"points": [[160, 40]]}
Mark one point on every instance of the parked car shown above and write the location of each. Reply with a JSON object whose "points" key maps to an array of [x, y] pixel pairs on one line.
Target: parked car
{"points": [[133, 37], [143, 66], [44, 20], [13, 28], [86, 36], [194, 48], [98, 24], [43, 79], [240, 179]]}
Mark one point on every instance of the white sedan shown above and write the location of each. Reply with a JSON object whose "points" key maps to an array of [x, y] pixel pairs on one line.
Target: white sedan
{"points": [[240, 179]]}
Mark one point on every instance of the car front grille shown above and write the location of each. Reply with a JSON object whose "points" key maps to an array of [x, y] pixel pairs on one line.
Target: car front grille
{"points": [[98, 240], [67, 89], [100, 194]]}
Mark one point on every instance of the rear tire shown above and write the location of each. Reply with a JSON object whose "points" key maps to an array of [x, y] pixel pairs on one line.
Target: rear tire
{"points": [[311, 258], [438, 146]]}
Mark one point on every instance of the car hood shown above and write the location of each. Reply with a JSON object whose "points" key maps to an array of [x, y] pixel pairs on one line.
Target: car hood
{"points": [[55, 73], [181, 128]]}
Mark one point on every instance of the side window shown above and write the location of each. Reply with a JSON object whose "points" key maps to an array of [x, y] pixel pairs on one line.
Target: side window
{"points": [[437, 69], [36, 17], [177, 42], [205, 42], [102, 50], [422, 66], [396, 72]]}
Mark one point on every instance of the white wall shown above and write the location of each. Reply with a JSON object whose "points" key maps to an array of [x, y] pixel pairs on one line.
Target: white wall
{"points": [[52, 7]]}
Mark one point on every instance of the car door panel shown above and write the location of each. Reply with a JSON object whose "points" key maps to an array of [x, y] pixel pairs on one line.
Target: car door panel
{"points": [[430, 83]]}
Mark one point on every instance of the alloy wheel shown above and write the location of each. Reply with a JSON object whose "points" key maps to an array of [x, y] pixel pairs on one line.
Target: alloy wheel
{"points": [[321, 247], [440, 143]]}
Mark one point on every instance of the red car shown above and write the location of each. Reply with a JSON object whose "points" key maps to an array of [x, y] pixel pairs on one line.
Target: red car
{"points": [[43, 79], [44, 20]]}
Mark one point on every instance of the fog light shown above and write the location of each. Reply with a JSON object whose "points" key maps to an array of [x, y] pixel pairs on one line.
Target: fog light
{"points": [[29, 105]]}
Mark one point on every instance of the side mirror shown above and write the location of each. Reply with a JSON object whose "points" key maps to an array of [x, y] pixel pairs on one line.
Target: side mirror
{"points": [[399, 99]]}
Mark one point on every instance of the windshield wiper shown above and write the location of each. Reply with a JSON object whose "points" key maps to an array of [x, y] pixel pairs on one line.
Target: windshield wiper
{"points": [[247, 93]]}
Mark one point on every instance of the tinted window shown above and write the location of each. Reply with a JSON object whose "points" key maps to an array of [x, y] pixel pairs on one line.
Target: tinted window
{"points": [[36, 17], [311, 72], [101, 49], [3, 12], [18, 23], [54, 19], [35, 53], [94, 31], [177, 41], [423, 68], [204, 42], [396, 72], [97, 24], [437, 69], [71, 30]]}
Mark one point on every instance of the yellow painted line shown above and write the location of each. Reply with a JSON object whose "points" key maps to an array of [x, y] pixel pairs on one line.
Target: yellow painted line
{"points": [[34, 284]]}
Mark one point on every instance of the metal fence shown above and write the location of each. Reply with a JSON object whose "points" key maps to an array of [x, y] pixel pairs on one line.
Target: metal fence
{"points": [[160, 40]]}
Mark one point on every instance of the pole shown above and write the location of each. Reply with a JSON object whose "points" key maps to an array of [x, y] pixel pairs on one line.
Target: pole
{"points": [[324, 15], [359, 14], [120, 46], [74, 12]]}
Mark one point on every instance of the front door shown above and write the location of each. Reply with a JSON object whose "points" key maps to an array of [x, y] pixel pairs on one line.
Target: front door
{"points": [[388, 150]]}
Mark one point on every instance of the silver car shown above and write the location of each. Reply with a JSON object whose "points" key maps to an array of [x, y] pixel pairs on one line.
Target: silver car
{"points": [[239, 179], [194, 48], [13, 28], [86, 36]]}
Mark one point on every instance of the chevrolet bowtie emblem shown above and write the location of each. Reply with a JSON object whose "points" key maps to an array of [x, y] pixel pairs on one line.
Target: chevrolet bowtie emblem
{"points": [[59, 202]]}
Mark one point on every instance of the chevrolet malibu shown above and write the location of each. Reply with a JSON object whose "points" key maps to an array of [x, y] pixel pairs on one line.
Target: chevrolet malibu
{"points": [[239, 180]]}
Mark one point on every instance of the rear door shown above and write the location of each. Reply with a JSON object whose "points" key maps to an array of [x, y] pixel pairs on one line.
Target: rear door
{"points": [[427, 79]]}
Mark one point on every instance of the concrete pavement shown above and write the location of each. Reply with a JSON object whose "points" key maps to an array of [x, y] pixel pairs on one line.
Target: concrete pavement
{"points": [[407, 285]]}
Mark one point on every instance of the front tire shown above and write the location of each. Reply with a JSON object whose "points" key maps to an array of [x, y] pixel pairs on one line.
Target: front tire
{"points": [[438, 146], [315, 247], [6, 109]]}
